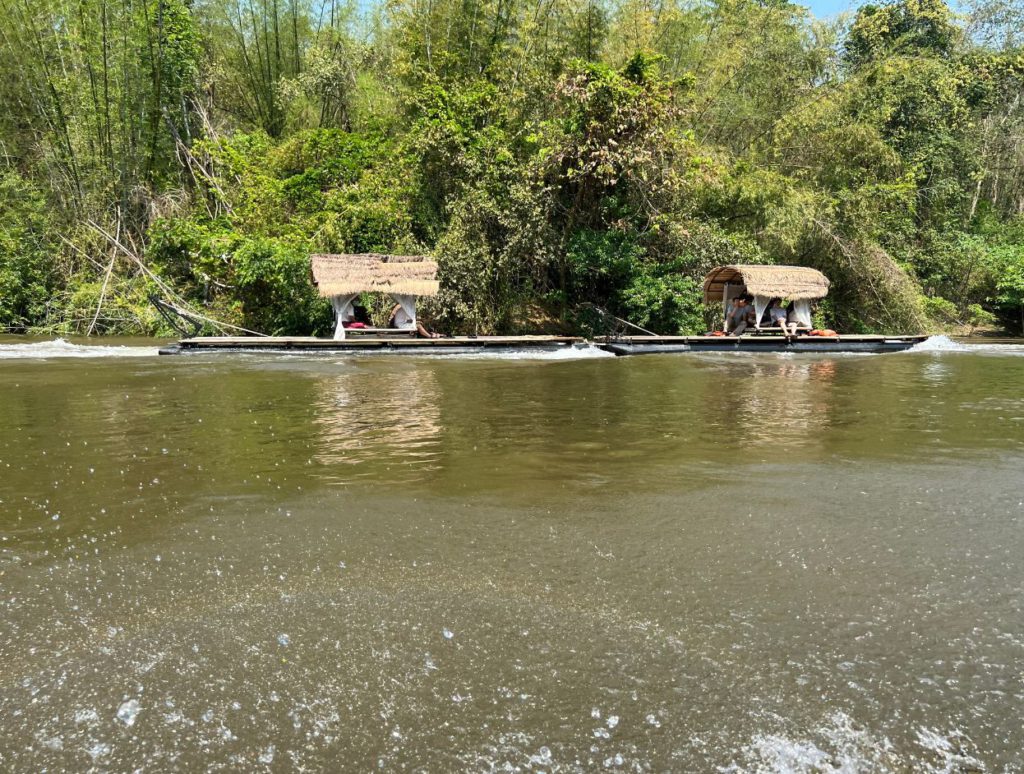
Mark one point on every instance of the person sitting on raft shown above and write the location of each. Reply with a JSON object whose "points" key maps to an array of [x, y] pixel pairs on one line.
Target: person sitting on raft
{"points": [[736, 320], [400, 319], [358, 317], [778, 316]]}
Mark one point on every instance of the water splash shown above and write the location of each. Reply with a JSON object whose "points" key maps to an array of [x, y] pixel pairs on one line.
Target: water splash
{"points": [[946, 344], [59, 348], [841, 745], [940, 344], [128, 711], [948, 753], [838, 745], [578, 352]]}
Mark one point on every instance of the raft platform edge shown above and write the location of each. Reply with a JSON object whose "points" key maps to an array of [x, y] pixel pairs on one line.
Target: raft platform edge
{"points": [[298, 344], [622, 346], [871, 343]]}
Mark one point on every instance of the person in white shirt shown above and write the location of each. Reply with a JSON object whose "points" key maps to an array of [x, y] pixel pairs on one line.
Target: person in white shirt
{"points": [[777, 315], [400, 319]]}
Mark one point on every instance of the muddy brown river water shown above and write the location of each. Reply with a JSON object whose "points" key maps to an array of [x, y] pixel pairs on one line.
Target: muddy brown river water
{"points": [[664, 563]]}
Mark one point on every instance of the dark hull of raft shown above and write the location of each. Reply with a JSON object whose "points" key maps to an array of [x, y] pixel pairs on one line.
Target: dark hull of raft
{"points": [[454, 345], [627, 345], [643, 345]]}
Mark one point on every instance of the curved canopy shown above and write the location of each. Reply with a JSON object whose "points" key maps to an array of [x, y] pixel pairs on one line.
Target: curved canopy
{"points": [[342, 275], [790, 282]]}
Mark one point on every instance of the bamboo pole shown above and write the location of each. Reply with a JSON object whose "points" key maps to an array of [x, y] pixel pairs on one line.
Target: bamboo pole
{"points": [[182, 305]]}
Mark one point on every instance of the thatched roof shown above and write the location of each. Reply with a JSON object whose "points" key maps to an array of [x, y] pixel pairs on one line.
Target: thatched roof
{"points": [[340, 275], [789, 282]]}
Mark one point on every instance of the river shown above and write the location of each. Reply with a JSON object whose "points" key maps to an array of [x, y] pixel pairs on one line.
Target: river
{"points": [[663, 563]]}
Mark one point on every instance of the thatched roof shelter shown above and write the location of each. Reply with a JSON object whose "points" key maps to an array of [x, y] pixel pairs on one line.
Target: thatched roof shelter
{"points": [[789, 282], [340, 275]]}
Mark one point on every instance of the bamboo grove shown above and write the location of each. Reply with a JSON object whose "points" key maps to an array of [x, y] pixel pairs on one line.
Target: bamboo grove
{"points": [[554, 155]]}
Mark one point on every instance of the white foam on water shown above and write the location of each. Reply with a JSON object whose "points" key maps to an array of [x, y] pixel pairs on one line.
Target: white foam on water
{"points": [[838, 746], [267, 755], [842, 746], [59, 348], [581, 352], [948, 752], [335, 358], [946, 344], [98, 750], [940, 344], [128, 711]]}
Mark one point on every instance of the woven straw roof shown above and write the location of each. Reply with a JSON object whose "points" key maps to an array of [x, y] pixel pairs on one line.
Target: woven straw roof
{"points": [[789, 282], [340, 275]]}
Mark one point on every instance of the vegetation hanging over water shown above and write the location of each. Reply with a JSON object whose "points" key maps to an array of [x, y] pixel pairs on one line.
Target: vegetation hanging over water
{"points": [[553, 155]]}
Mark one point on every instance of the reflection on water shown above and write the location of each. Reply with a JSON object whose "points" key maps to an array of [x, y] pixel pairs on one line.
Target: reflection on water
{"points": [[722, 562], [391, 421], [780, 404]]}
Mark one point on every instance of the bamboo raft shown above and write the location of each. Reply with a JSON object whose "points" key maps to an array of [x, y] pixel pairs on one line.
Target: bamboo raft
{"points": [[640, 345], [622, 346], [342, 278], [451, 345]]}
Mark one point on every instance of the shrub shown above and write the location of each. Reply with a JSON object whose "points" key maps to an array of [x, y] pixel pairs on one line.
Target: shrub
{"points": [[27, 268], [940, 311], [273, 285], [667, 303]]}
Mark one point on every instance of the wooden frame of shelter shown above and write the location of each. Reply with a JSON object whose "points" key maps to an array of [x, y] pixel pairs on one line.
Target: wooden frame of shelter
{"points": [[794, 283], [342, 278]]}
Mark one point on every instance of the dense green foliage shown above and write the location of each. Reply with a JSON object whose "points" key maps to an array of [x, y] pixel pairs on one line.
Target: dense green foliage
{"points": [[553, 155], [26, 270]]}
